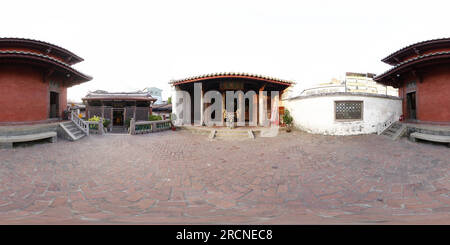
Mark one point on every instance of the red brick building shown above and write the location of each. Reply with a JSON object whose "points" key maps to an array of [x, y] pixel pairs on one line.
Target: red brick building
{"points": [[34, 77], [422, 73]]}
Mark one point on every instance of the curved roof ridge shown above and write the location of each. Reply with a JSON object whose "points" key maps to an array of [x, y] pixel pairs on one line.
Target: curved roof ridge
{"points": [[231, 74], [39, 42], [415, 45], [409, 61]]}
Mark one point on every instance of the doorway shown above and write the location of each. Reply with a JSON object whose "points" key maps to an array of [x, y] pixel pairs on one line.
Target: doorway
{"points": [[411, 105], [54, 105], [117, 117]]}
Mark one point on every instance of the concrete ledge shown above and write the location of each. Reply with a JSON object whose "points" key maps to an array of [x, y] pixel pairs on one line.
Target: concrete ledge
{"points": [[430, 137], [27, 129], [7, 141]]}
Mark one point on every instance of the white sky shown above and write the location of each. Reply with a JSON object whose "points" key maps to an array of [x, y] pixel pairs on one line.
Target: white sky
{"points": [[129, 45]]}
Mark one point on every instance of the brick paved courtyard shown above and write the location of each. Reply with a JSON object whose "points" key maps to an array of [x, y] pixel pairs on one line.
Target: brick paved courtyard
{"points": [[182, 178]]}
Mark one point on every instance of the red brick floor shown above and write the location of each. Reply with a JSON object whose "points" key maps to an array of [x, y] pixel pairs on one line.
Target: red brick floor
{"points": [[181, 178]]}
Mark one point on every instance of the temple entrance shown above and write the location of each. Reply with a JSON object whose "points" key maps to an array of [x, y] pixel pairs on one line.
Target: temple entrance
{"points": [[411, 105], [118, 117], [236, 111], [246, 91], [54, 105]]}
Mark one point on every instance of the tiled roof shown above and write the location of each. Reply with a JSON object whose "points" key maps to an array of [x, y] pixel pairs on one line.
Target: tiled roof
{"points": [[415, 45], [100, 94], [41, 57], [412, 60], [163, 107], [75, 58], [229, 74]]}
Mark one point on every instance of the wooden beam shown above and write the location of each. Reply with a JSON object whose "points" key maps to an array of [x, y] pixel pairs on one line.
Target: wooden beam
{"points": [[395, 82], [263, 86]]}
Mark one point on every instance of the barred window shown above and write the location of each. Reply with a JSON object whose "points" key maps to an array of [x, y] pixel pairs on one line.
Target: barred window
{"points": [[348, 110]]}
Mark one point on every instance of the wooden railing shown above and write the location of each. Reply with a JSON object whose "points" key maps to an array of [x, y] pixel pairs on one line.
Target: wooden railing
{"points": [[80, 123], [145, 127], [383, 126]]}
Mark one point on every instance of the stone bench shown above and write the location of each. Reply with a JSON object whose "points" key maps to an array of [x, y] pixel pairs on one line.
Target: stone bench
{"points": [[7, 141], [430, 137]]}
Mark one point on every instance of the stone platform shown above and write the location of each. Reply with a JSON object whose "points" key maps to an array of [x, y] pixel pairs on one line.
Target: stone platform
{"points": [[227, 133]]}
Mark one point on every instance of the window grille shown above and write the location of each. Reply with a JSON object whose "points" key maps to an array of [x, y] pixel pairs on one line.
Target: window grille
{"points": [[348, 110]]}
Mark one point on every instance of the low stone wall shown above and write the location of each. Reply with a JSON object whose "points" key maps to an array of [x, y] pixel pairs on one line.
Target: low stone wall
{"points": [[316, 113]]}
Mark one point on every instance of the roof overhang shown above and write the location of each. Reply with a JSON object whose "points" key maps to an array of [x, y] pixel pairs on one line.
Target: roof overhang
{"points": [[73, 76], [231, 75], [119, 98], [416, 49], [391, 77], [46, 48]]}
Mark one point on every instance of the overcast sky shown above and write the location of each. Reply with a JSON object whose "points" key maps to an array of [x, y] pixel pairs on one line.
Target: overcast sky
{"points": [[130, 45]]}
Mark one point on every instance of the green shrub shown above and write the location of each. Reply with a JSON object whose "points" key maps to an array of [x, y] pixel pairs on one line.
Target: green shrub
{"points": [[287, 118], [94, 119], [154, 118], [106, 123]]}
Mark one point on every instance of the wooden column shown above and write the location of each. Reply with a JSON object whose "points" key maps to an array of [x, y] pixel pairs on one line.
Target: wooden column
{"points": [[103, 110], [134, 110]]}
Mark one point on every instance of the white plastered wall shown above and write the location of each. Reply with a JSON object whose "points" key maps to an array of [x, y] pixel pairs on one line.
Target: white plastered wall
{"points": [[315, 114]]}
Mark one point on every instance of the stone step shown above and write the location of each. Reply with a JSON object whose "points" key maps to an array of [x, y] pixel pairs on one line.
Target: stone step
{"points": [[72, 131], [78, 133], [395, 131], [388, 134], [236, 132], [71, 125], [79, 137], [232, 136], [391, 130]]}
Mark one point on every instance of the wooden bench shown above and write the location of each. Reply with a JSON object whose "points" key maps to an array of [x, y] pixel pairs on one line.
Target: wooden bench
{"points": [[430, 137], [7, 141]]}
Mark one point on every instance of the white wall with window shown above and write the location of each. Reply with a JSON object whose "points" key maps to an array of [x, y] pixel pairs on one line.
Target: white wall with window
{"points": [[342, 113]]}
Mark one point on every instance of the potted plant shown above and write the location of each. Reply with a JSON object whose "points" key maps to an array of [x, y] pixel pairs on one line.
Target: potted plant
{"points": [[172, 119], [94, 119], [106, 124], [287, 120]]}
